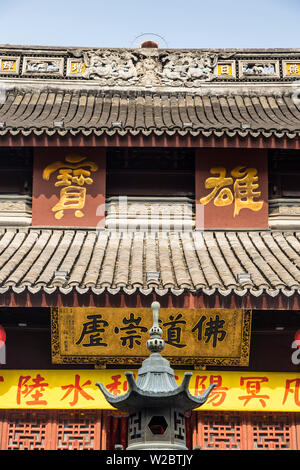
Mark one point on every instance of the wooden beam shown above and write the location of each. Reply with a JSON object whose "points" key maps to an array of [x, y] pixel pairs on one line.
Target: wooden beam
{"points": [[186, 141], [264, 302]]}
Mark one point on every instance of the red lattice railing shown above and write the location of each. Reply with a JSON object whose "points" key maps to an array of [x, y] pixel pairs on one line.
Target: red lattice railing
{"points": [[54, 430], [102, 430], [245, 431]]}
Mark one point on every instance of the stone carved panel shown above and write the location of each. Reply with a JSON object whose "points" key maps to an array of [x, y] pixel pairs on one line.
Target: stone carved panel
{"points": [[188, 69], [259, 69], [15, 210], [150, 214], [179, 425], [148, 67], [106, 66], [135, 426], [42, 66], [284, 214]]}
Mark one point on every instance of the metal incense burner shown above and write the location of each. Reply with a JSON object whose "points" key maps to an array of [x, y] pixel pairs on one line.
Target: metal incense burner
{"points": [[155, 403]]}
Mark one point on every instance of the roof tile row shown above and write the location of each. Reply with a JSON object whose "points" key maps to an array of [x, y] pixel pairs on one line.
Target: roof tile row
{"points": [[39, 111], [192, 261]]}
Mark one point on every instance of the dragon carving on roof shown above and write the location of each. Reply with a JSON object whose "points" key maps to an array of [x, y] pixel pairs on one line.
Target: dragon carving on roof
{"points": [[141, 67]]}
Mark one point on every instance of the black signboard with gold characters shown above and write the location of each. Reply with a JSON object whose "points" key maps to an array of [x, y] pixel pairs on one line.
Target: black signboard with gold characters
{"points": [[103, 336]]}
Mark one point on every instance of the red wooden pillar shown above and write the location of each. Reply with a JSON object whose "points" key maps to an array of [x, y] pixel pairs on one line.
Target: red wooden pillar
{"points": [[114, 432], [188, 431], [123, 432], [105, 431]]}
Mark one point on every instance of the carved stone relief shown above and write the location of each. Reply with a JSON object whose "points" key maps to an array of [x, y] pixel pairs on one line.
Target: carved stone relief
{"points": [[186, 68], [148, 214], [144, 68], [15, 210], [259, 69], [149, 67], [284, 214], [42, 66]]}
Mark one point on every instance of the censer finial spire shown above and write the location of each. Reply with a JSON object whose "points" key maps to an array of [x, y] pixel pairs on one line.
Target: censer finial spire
{"points": [[155, 344]]}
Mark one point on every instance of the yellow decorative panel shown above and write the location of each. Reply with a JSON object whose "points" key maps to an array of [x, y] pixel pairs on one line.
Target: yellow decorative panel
{"points": [[225, 70], [76, 389], [291, 68], [75, 67], [9, 65]]}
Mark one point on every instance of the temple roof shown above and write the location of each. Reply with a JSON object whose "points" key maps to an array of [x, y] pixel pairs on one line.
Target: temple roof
{"points": [[209, 262], [86, 91]]}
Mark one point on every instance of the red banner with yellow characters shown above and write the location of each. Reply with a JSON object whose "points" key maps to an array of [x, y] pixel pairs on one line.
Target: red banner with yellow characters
{"points": [[76, 389]]}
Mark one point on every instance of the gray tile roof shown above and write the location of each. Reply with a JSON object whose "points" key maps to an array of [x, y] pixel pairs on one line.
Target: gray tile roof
{"points": [[63, 111], [204, 262]]}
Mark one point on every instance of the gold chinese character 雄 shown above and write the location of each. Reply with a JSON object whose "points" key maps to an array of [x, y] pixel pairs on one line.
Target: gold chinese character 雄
{"points": [[244, 189]]}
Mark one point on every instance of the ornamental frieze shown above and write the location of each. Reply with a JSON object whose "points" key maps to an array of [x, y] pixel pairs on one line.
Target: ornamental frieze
{"points": [[149, 67], [137, 68]]}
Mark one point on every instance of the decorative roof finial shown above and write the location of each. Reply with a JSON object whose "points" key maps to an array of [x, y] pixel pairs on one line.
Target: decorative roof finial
{"points": [[155, 344], [149, 45]]}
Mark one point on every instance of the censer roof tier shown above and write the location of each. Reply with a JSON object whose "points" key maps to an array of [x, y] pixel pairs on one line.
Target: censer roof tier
{"points": [[156, 385]]}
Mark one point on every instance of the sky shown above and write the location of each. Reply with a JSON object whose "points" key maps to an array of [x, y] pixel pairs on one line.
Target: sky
{"points": [[173, 23]]}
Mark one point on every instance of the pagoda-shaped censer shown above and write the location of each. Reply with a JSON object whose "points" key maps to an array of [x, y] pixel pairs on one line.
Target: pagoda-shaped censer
{"points": [[155, 403]]}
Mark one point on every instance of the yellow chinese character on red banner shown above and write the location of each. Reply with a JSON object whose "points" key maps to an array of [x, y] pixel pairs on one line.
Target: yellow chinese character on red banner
{"points": [[73, 174], [243, 193]]}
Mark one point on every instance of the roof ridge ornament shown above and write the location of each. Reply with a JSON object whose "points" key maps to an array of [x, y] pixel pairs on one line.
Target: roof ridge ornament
{"points": [[149, 40], [148, 67]]}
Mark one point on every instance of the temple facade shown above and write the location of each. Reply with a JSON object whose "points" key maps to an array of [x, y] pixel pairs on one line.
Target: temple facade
{"points": [[133, 176]]}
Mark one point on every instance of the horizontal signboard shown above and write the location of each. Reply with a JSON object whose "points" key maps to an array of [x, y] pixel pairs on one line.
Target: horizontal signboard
{"points": [[119, 335]]}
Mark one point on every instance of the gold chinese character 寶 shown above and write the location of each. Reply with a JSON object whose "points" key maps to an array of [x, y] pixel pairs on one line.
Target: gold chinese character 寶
{"points": [[74, 173], [244, 189]]}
